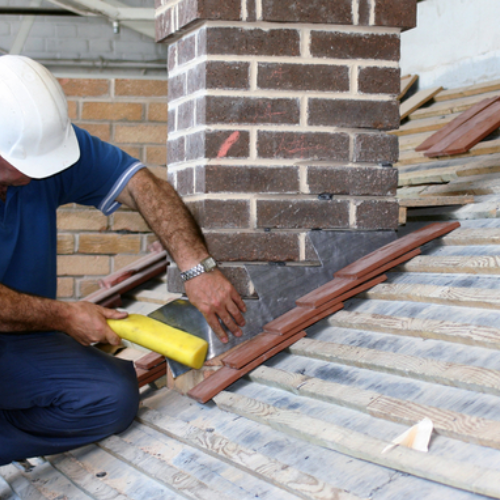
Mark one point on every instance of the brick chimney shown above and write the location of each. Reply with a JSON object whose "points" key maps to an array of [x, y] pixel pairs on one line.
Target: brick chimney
{"points": [[277, 113]]}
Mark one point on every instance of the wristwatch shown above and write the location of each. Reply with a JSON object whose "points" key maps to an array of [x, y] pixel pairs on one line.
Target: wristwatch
{"points": [[205, 266]]}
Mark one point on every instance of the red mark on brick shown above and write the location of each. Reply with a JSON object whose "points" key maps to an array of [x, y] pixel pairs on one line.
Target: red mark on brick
{"points": [[228, 144]]}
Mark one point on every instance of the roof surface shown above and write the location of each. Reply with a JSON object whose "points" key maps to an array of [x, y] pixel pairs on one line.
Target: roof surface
{"points": [[317, 416]]}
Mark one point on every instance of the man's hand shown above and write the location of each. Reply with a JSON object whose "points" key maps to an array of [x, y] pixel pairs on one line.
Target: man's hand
{"points": [[86, 323], [213, 295]]}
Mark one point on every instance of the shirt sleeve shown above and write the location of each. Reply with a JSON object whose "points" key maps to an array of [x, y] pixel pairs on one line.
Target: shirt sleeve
{"points": [[99, 176]]}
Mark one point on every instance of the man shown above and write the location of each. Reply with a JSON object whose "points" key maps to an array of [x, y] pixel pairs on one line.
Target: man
{"points": [[57, 392]]}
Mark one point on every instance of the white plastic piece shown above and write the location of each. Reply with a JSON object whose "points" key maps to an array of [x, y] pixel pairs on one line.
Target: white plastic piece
{"points": [[36, 136], [416, 437]]}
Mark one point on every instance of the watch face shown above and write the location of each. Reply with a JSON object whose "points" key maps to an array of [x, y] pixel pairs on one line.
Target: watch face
{"points": [[209, 264]]}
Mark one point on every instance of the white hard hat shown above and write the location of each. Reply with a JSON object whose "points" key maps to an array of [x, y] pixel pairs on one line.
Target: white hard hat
{"points": [[36, 136]]}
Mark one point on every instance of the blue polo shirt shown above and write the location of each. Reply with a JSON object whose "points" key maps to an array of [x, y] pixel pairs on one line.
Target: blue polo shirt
{"points": [[28, 229]]}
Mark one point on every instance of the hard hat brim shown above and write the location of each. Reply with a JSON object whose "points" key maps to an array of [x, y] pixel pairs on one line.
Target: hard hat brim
{"points": [[57, 160]]}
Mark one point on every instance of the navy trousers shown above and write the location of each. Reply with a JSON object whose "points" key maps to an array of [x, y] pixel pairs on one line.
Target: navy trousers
{"points": [[56, 394]]}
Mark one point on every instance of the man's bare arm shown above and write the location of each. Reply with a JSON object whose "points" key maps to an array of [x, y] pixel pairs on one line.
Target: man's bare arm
{"points": [[84, 321], [179, 233]]}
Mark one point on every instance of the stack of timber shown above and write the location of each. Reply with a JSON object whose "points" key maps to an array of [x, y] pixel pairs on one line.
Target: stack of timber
{"points": [[450, 155]]}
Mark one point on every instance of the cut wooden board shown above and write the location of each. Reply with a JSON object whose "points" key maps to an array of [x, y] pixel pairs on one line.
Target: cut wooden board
{"points": [[477, 264], [474, 185], [458, 296], [407, 82], [461, 475], [175, 479], [472, 378], [448, 423], [395, 249], [417, 100], [468, 134], [470, 236], [448, 107], [265, 468], [435, 201], [432, 124], [459, 333], [443, 134], [479, 88], [483, 148], [329, 291], [224, 377], [402, 215]]}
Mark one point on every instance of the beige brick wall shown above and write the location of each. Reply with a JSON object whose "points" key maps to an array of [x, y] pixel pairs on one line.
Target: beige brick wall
{"points": [[131, 114]]}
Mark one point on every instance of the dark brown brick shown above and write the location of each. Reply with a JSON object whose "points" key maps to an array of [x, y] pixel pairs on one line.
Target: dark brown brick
{"points": [[195, 146], [192, 10], [185, 115], [251, 11], [253, 42], [197, 78], [201, 35], [364, 12], [247, 179], [176, 87], [227, 75], [338, 45], [354, 113], [355, 181], [227, 144], [238, 276], [221, 214], [307, 11], [376, 148], [185, 181], [251, 110], [172, 57], [310, 77], [303, 214], [377, 214], [163, 25], [176, 150], [186, 49], [312, 145], [251, 247], [172, 126], [397, 13], [375, 80]]}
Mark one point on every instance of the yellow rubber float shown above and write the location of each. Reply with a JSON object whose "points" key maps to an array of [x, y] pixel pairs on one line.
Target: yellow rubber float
{"points": [[161, 338]]}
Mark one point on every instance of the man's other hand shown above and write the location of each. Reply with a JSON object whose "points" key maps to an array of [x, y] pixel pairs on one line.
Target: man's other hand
{"points": [[86, 323], [216, 298]]}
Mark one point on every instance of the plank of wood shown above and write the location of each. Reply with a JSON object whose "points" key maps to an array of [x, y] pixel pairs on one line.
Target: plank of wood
{"points": [[330, 290], [410, 142], [466, 476], [452, 424], [393, 250], [260, 466], [477, 264], [472, 378], [474, 185], [437, 140], [431, 176], [460, 333], [448, 107], [173, 478], [226, 376], [483, 148], [150, 360], [458, 296], [407, 82], [471, 236], [402, 215], [424, 125], [467, 135], [434, 201], [417, 100], [83, 479], [479, 88]]}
